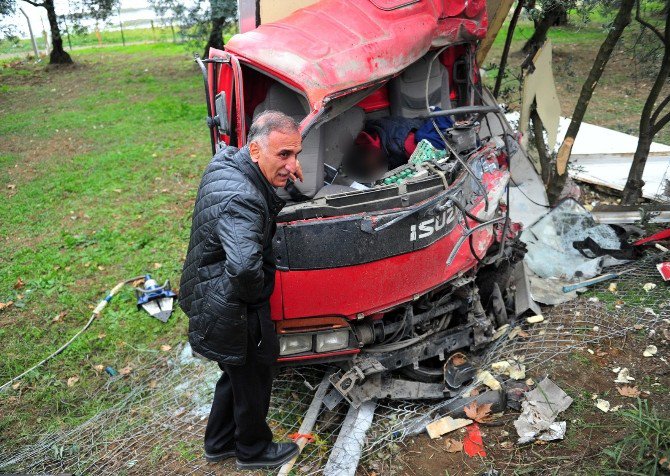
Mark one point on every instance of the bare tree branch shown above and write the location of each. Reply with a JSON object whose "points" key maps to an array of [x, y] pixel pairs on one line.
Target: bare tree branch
{"points": [[660, 124], [33, 3], [644, 22], [660, 107]]}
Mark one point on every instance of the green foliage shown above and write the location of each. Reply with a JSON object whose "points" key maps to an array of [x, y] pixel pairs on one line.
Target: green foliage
{"points": [[197, 20], [645, 448]]}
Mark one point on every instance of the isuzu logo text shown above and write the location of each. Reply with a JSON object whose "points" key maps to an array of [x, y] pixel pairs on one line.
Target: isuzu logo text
{"points": [[431, 225]]}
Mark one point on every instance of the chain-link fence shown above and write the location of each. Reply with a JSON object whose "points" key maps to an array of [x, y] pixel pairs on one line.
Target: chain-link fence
{"points": [[157, 428]]}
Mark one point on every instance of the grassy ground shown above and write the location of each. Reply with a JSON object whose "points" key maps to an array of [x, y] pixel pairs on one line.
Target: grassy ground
{"points": [[99, 166], [158, 34], [619, 97]]}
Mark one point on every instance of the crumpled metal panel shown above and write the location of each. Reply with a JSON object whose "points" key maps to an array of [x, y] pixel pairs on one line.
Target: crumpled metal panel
{"points": [[337, 45]]}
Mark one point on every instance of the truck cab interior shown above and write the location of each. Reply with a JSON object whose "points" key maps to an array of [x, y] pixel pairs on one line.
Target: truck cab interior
{"points": [[330, 160]]}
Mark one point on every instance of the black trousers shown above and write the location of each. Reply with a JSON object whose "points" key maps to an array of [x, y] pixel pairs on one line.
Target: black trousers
{"points": [[242, 395]]}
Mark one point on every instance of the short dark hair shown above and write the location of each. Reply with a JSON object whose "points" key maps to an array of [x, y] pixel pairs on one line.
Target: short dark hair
{"points": [[269, 121]]}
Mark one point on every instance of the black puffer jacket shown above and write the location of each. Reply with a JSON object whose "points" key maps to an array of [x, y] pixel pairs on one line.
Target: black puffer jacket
{"points": [[229, 267]]}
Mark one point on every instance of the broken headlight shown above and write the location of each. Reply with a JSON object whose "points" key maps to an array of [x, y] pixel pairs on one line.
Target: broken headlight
{"points": [[328, 341], [295, 344]]}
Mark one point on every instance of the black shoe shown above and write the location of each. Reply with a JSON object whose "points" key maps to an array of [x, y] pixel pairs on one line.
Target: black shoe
{"points": [[275, 455], [220, 456]]}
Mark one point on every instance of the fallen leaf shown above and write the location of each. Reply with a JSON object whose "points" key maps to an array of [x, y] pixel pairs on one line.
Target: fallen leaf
{"points": [[518, 332], [650, 351], [623, 376], [126, 370], [102, 335], [458, 359], [99, 368], [19, 283], [11, 186], [479, 413], [16, 385], [453, 446], [166, 347], [59, 317], [535, 319], [664, 463], [649, 286], [506, 445], [5, 305], [628, 391], [603, 405], [157, 265], [72, 380], [666, 333], [153, 384], [612, 287]]}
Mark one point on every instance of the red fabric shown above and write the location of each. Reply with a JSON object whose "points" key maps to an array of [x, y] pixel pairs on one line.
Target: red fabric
{"points": [[296, 436], [368, 141], [661, 235], [664, 269], [410, 144], [472, 443], [376, 101]]}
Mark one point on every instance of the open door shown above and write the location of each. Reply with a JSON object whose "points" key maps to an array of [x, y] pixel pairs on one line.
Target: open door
{"points": [[223, 95]]}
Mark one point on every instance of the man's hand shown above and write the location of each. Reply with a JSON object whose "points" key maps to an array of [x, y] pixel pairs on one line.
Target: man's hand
{"points": [[298, 172]]}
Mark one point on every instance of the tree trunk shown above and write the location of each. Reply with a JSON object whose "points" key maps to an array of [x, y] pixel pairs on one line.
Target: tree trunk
{"points": [[58, 54], [649, 126], [508, 44], [622, 19], [550, 17], [215, 39]]}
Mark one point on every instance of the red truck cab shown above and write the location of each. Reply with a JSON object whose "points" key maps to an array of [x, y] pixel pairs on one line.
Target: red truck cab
{"points": [[391, 267]]}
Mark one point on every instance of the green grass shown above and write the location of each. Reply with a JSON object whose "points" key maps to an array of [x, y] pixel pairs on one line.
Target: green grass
{"points": [[97, 181], [158, 34], [646, 449]]}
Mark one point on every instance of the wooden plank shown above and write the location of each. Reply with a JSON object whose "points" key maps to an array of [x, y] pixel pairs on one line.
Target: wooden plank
{"points": [[497, 12]]}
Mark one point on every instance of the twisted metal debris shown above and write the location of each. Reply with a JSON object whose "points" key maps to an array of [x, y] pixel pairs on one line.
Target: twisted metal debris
{"points": [[157, 427]]}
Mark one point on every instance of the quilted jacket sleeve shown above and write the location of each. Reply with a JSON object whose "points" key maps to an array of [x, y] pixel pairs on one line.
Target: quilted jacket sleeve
{"points": [[240, 232]]}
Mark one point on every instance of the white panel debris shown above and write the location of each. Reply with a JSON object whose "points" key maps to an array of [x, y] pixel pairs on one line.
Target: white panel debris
{"points": [[539, 412]]}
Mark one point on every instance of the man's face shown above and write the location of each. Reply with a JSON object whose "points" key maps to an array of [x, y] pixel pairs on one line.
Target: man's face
{"points": [[277, 156]]}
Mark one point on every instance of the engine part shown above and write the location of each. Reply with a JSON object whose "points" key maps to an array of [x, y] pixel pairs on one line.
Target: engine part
{"points": [[458, 371]]}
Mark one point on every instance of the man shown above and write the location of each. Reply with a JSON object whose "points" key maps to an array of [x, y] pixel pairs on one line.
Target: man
{"points": [[227, 281]]}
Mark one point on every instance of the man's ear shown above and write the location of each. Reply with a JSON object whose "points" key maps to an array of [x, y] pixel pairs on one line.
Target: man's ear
{"points": [[254, 151]]}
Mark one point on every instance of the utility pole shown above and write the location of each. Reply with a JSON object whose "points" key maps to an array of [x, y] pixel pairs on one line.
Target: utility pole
{"points": [[32, 37]]}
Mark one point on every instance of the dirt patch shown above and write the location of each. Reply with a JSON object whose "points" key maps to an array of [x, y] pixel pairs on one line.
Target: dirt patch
{"points": [[618, 99], [589, 429], [34, 153]]}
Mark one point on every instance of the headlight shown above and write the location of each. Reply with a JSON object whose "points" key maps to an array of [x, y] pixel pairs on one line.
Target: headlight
{"points": [[295, 344], [326, 342]]}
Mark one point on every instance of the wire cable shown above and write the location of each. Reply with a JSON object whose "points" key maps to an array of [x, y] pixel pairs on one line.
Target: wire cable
{"points": [[96, 312]]}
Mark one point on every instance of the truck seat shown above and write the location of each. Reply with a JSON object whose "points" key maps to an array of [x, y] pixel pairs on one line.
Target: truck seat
{"points": [[281, 98], [339, 134], [407, 92]]}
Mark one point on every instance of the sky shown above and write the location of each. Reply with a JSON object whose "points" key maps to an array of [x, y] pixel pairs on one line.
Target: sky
{"points": [[130, 10]]}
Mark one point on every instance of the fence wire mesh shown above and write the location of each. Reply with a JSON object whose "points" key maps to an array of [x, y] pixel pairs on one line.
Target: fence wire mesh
{"points": [[157, 427]]}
